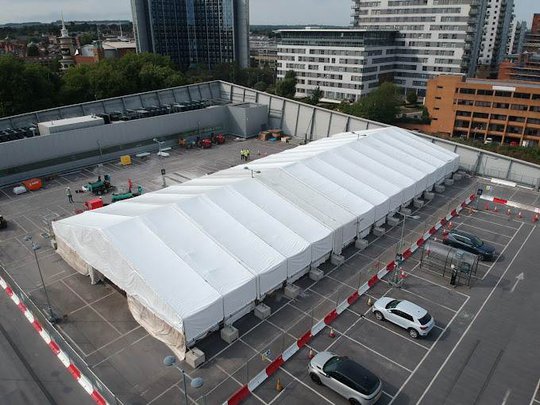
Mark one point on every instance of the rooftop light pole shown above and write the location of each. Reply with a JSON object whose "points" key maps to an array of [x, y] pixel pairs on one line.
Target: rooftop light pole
{"points": [[160, 154], [403, 227], [252, 171], [197, 382], [52, 317]]}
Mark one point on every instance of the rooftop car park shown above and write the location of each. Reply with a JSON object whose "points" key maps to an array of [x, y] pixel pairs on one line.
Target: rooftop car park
{"points": [[482, 347]]}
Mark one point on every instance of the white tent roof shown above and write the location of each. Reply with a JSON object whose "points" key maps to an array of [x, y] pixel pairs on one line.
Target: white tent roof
{"points": [[198, 253]]}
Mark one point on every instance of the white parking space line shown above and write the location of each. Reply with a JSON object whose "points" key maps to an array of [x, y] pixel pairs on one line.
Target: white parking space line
{"points": [[306, 385], [533, 399], [380, 324], [500, 255], [282, 369], [490, 222], [377, 353], [426, 299], [482, 229], [437, 284], [484, 239], [428, 352], [474, 319]]}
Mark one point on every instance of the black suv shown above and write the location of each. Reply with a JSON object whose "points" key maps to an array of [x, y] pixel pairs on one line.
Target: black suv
{"points": [[470, 243]]}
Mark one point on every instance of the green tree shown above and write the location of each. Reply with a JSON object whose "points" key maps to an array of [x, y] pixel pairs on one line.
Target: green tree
{"points": [[32, 50], [381, 105], [87, 38], [412, 97], [25, 86], [316, 96], [260, 86], [287, 86]]}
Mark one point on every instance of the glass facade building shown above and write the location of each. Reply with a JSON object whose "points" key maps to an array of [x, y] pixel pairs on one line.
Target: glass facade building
{"points": [[194, 32]]}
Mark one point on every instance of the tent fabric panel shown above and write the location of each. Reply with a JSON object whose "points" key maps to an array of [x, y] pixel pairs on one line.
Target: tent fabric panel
{"points": [[338, 170], [360, 208], [399, 143], [404, 167], [227, 276], [352, 159], [199, 305], [318, 235], [258, 257]]}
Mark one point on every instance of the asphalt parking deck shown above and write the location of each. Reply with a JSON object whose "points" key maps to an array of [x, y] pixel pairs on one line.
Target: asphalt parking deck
{"points": [[129, 361]]}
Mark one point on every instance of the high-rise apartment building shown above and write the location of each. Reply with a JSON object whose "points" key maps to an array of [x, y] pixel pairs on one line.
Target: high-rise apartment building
{"points": [[345, 64], [435, 36], [495, 33], [193, 32], [532, 38], [516, 37]]}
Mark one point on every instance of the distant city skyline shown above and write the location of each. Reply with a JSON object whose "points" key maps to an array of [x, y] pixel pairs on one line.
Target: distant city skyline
{"points": [[274, 12]]}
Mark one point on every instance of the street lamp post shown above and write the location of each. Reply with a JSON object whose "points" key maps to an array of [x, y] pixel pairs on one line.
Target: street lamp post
{"points": [[160, 154], [403, 228], [197, 382], [252, 171], [52, 317]]}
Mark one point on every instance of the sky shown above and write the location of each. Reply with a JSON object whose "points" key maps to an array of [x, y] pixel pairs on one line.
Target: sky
{"points": [[328, 12]]}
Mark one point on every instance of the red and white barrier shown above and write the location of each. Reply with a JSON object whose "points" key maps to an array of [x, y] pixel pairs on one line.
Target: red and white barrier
{"points": [[513, 204], [260, 378], [55, 348]]}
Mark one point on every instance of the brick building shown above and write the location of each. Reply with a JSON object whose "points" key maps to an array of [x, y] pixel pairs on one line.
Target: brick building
{"points": [[486, 110]]}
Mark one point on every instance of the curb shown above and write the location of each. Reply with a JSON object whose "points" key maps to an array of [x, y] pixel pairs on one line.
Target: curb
{"points": [[55, 348], [260, 378]]}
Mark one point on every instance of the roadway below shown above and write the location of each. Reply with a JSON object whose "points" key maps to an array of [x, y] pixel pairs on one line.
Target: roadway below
{"points": [[29, 372]]}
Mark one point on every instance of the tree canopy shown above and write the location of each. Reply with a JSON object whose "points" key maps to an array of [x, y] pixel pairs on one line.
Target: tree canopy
{"points": [[381, 105], [25, 86], [287, 86], [29, 87]]}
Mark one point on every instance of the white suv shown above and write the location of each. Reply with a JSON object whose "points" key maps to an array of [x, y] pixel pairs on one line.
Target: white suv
{"points": [[415, 319]]}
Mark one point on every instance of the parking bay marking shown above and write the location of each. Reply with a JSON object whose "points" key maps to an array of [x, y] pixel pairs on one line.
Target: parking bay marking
{"points": [[429, 351], [533, 399], [466, 330]]}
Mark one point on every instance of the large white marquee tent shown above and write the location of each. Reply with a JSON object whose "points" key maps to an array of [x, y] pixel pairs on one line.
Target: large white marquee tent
{"points": [[202, 253]]}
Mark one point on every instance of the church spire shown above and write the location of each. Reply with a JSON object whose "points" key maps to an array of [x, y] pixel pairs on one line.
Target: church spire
{"points": [[64, 32]]}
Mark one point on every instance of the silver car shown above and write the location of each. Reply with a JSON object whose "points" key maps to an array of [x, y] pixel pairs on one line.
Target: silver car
{"points": [[346, 377], [416, 320]]}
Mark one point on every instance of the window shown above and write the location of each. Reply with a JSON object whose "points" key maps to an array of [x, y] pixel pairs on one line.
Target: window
{"points": [[522, 95], [466, 91], [518, 107], [481, 92], [482, 104], [402, 315], [503, 94], [425, 319]]}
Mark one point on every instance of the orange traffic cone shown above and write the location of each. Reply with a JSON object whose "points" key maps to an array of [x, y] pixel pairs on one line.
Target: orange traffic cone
{"points": [[332, 334], [279, 386]]}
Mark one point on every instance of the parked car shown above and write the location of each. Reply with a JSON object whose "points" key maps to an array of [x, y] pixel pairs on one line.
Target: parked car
{"points": [[416, 320], [470, 243], [346, 377]]}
